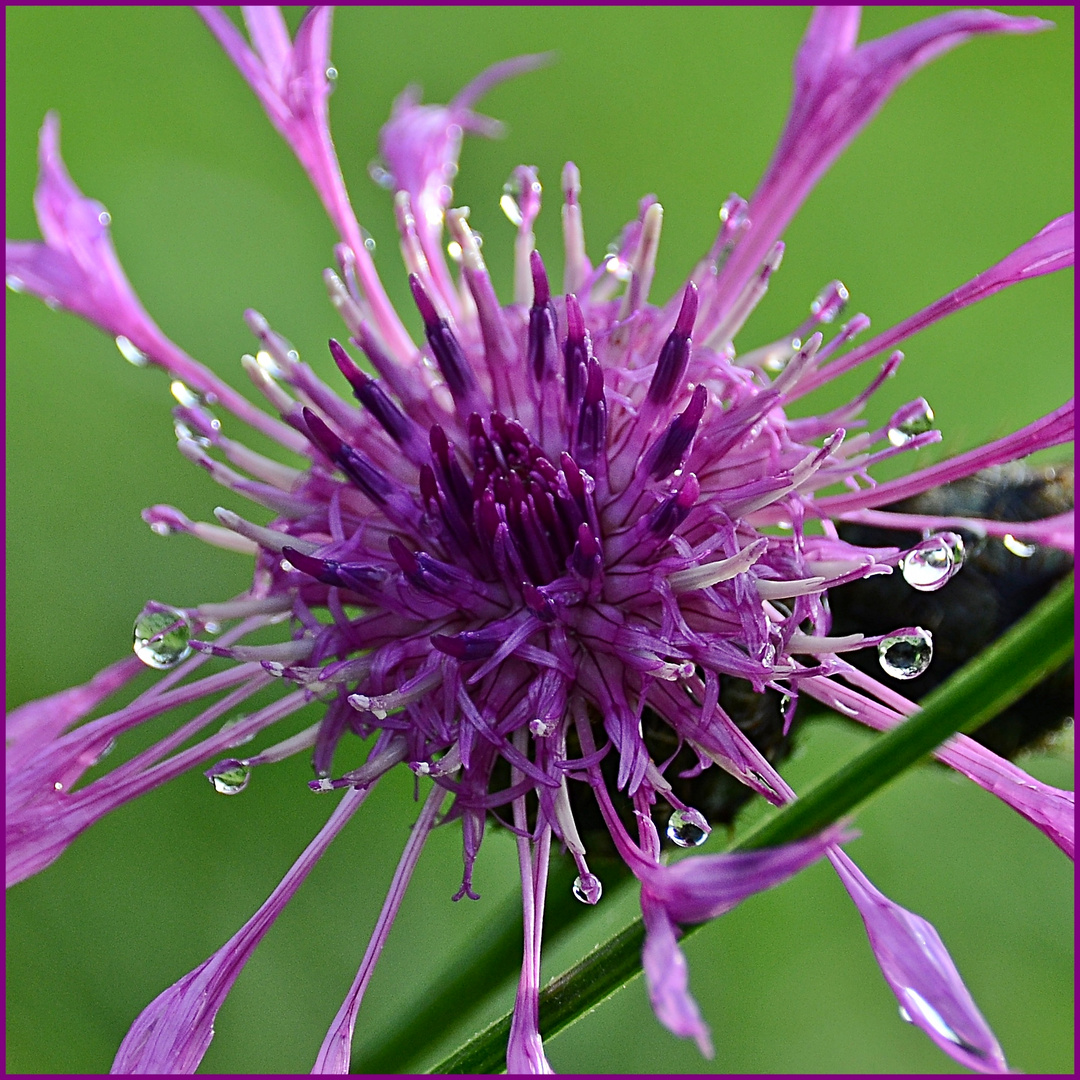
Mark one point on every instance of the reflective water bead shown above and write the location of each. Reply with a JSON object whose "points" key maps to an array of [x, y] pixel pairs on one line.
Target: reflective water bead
{"points": [[917, 1003], [687, 828], [15, 284], [161, 637], [929, 565], [542, 728], [130, 352], [587, 888], [904, 656], [1018, 547], [918, 424], [230, 777]]}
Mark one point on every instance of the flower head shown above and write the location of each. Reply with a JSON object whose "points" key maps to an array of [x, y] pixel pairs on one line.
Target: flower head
{"points": [[544, 531]]}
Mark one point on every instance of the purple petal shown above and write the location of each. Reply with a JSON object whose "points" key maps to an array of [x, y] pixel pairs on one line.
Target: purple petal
{"points": [[703, 886], [31, 726], [918, 968], [336, 1050], [1050, 249], [667, 977], [838, 88], [173, 1032]]}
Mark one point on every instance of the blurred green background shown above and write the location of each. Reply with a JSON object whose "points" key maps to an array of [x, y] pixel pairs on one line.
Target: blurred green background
{"points": [[211, 215]]}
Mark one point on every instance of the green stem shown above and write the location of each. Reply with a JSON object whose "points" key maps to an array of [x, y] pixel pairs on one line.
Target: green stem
{"points": [[1022, 657]]}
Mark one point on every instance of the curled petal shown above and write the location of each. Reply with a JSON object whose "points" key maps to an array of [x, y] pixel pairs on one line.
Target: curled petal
{"points": [[921, 974], [667, 977], [703, 886], [173, 1032]]}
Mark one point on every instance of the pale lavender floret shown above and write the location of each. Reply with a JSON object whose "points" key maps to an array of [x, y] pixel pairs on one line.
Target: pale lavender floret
{"points": [[172, 1033], [618, 584], [922, 975]]}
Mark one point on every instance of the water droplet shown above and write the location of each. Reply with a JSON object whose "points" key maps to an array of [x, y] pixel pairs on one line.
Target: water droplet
{"points": [[231, 723], [381, 175], [830, 302], [935, 1021], [510, 206], [269, 364], [369, 240], [230, 777], [161, 528], [587, 888], [105, 218], [542, 728], [917, 424], [687, 828], [58, 786], [161, 636], [453, 249], [15, 284], [618, 268], [130, 353], [928, 565], [904, 656], [184, 394], [1018, 547], [52, 303], [331, 73]]}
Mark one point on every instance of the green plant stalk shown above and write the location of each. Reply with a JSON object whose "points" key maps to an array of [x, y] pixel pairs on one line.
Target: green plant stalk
{"points": [[1022, 657]]}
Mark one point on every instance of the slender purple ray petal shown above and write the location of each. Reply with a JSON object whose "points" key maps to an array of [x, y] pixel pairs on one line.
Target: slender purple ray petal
{"points": [[921, 974], [290, 80], [838, 87], [173, 1032], [336, 1049], [1050, 249], [1050, 430]]}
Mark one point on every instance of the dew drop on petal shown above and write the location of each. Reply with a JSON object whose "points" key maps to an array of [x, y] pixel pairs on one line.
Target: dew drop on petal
{"points": [[907, 429], [15, 284], [1018, 547], [932, 563], [331, 73], [904, 656], [918, 1004], [161, 638], [230, 777], [369, 240], [380, 174], [130, 353], [510, 206], [231, 723], [587, 888], [685, 830], [105, 218]]}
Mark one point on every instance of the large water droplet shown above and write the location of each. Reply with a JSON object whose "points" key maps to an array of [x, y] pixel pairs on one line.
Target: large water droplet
{"points": [[229, 777], [587, 888], [130, 353], [687, 828], [162, 636], [935, 1020], [928, 565], [1018, 547], [917, 424], [903, 656]]}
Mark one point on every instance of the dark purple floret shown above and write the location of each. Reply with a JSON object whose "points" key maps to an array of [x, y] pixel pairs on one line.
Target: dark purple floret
{"points": [[445, 346], [540, 344], [675, 354], [354, 464], [592, 417], [372, 396], [577, 351], [667, 452]]}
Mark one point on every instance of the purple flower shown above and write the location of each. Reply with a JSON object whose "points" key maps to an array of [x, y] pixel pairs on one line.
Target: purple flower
{"points": [[544, 520]]}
